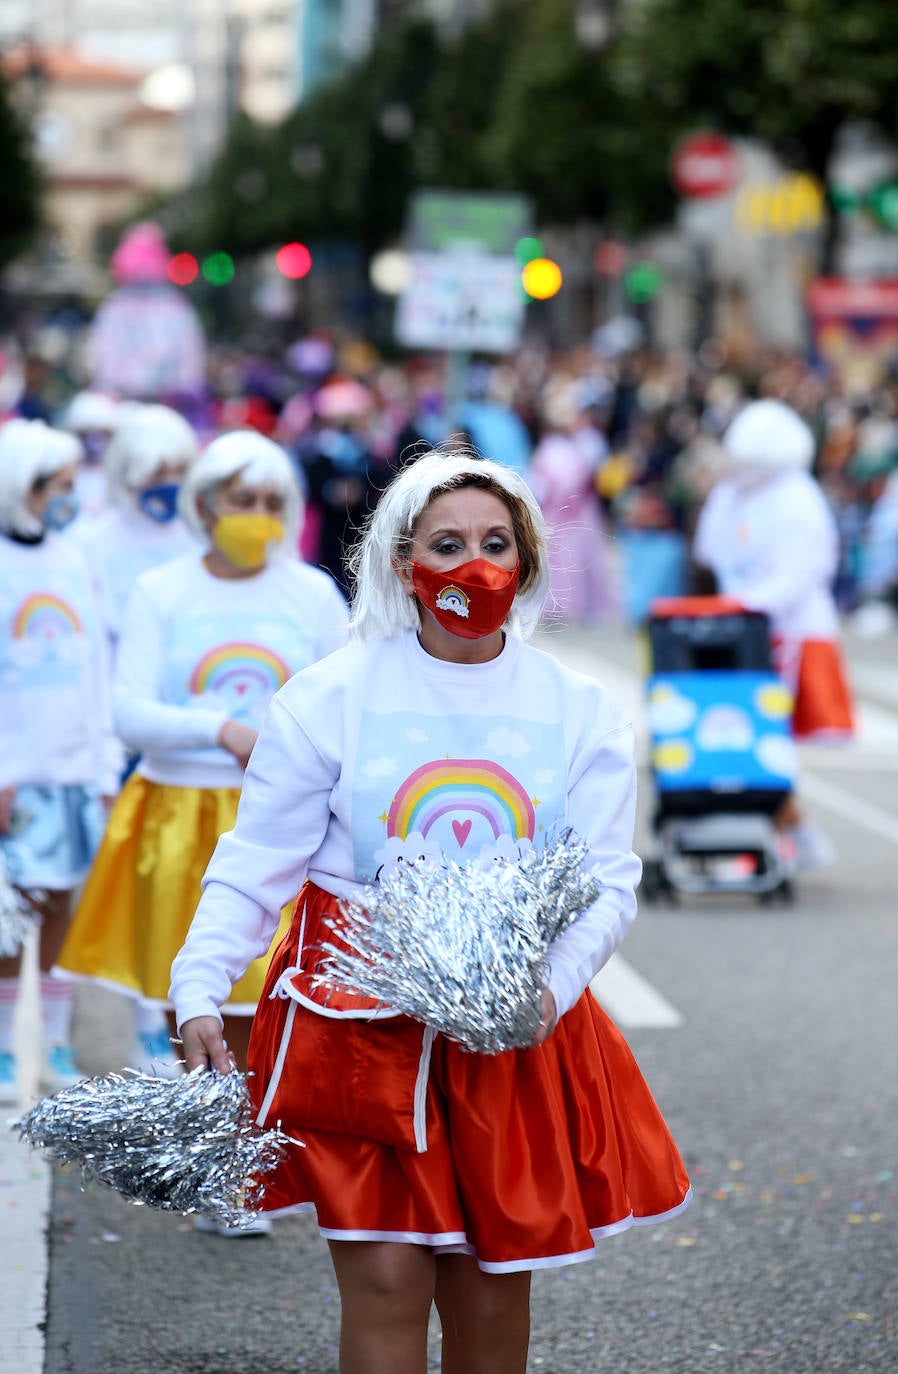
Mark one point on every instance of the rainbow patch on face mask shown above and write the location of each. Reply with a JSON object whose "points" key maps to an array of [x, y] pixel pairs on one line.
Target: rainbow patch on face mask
{"points": [[462, 789], [453, 599], [45, 615]]}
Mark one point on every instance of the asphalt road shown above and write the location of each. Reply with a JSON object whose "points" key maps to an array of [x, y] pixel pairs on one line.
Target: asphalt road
{"points": [[780, 1086]]}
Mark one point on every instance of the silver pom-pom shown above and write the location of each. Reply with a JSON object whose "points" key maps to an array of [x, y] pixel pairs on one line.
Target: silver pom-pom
{"points": [[182, 1145], [463, 948], [18, 917]]}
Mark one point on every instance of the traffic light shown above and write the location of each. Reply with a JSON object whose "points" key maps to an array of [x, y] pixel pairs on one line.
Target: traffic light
{"points": [[293, 260], [528, 248], [541, 278], [882, 203], [182, 269], [218, 269], [643, 282]]}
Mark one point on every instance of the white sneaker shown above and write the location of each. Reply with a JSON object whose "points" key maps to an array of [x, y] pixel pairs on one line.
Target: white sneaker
{"points": [[156, 1055], [259, 1226], [59, 1069], [9, 1082]]}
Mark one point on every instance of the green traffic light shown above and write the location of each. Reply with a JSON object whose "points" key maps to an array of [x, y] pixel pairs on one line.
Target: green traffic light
{"points": [[882, 202], [218, 269], [528, 248], [643, 282]]}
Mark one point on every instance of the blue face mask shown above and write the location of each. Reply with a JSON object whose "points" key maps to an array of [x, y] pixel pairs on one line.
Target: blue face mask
{"points": [[61, 510], [160, 503]]}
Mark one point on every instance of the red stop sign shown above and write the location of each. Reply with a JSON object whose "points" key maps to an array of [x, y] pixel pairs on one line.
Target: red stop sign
{"points": [[704, 165]]}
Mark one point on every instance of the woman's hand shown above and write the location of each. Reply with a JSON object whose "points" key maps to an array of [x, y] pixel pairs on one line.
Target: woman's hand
{"points": [[548, 1020], [7, 802], [205, 1046], [238, 739]]}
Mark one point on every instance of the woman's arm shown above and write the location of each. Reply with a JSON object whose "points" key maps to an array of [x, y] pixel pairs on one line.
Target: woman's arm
{"points": [[258, 867]]}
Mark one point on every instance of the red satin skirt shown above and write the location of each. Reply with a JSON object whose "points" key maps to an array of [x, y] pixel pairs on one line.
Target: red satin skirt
{"points": [[814, 670], [520, 1159]]}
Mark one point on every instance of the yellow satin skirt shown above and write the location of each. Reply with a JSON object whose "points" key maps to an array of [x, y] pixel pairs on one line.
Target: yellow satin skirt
{"points": [[144, 886]]}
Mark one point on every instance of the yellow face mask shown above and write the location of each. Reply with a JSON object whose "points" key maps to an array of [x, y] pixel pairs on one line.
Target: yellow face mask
{"points": [[245, 539]]}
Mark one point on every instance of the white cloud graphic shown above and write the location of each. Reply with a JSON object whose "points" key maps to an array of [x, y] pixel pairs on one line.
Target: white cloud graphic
{"points": [[414, 849], [725, 727], [508, 742], [777, 753], [669, 713], [545, 776], [504, 848], [380, 768], [417, 736]]}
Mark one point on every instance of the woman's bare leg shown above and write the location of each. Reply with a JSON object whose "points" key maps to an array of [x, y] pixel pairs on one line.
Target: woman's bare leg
{"points": [[386, 1290], [485, 1317]]}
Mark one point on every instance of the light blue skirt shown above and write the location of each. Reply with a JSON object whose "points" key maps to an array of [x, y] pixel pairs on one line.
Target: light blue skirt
{"points": [[56, 833]]}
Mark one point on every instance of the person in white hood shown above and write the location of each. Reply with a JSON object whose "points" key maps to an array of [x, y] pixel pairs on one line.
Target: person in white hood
{"points": [[769, 537], [57, 754], [146, 461], [93, 419]]}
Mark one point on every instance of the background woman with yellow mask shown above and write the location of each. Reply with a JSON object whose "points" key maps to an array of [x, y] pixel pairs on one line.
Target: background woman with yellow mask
{"points": [[206, 641]]}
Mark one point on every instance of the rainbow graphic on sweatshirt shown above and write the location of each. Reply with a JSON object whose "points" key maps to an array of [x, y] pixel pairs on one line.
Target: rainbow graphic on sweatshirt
{"points": [[239, 667], [46, 615], [462, 787]]}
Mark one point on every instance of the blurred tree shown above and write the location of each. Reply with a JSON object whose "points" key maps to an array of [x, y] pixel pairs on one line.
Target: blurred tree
{"points": [[513, 101], [564, 133], [340, 165], [20, 179], [787, 72]]}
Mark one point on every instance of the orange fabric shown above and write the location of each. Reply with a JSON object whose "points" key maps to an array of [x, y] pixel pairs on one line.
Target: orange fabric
{"points": [[823, 704], [527, 1153]]}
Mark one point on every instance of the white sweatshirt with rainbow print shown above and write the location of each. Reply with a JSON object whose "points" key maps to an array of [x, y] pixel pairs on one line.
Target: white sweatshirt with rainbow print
{"points": [[382, 753], [197, 650]]}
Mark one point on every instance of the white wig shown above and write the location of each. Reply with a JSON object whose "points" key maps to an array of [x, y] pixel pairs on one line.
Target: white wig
{"points": [[29, 450], [91, 410], [380, 605], [150, 436], [769, 436], [260, 462]]}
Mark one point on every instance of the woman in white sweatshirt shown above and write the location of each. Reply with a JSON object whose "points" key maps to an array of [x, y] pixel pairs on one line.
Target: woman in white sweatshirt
{"points": [[206, 641], [436, 1174], [57, 754]]}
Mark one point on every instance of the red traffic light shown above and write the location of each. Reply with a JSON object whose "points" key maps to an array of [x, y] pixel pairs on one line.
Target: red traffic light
{"points": [[293, 260], [182, 269]]}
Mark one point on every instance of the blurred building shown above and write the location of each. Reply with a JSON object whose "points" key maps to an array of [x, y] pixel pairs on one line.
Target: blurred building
{"points": [[103, 150]]}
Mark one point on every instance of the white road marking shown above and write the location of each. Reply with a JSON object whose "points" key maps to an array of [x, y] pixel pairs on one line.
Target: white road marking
{"points": [[631, 1000], [851, 807], [25, 1177]]}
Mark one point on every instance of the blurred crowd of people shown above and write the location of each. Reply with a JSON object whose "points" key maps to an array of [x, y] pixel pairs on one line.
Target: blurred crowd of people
{"points": [[621, 449]]}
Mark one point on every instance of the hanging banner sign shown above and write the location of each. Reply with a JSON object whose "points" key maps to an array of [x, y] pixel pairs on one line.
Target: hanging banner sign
{"points": [[467, 301]]}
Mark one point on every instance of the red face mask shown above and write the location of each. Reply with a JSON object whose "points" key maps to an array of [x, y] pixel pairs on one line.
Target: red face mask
{"points": [[471, 600]]}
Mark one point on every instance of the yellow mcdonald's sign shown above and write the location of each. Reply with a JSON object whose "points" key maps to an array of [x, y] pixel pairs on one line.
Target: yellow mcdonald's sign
{"points": [[790, 205]]}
